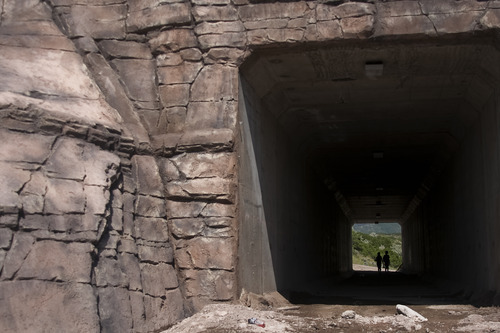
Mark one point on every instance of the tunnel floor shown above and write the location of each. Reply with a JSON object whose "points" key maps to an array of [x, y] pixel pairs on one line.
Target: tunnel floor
{"points": [[374, 288]]}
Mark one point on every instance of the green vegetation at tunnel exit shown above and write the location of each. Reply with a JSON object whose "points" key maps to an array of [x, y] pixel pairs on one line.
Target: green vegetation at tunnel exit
{"points": [[366, 246]]}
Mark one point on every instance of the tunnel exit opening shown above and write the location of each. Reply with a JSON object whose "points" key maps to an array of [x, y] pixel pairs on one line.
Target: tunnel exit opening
{"points": [[371, 242], [328, 132]]}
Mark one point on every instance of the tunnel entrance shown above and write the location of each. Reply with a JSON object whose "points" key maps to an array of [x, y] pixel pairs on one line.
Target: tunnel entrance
{"points": [[328, 132]]}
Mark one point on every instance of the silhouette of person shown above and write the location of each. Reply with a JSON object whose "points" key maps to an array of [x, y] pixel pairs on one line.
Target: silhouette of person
{"points": [[387, 261], [378, 259]]}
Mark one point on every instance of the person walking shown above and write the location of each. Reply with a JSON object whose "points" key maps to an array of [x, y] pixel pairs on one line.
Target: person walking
{"points": [[387, 261], [378, 259]]}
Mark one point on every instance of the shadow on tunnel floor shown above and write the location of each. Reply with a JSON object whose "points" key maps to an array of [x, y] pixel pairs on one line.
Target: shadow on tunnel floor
{"points": [[374, 288]]}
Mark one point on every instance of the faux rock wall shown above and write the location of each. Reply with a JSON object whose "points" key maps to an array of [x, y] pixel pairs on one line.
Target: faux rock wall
{"points": [[118, 158]]}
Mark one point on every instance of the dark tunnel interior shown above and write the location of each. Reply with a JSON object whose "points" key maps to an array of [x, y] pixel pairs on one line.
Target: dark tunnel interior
{"points": [[386, 131]]}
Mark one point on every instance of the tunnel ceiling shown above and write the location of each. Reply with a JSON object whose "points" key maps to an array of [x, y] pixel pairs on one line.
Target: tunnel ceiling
{"points": [[377, 121]]}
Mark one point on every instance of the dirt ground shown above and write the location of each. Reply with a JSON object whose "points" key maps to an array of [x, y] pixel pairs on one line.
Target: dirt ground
{"points": [[366, 302], [225, 318]]}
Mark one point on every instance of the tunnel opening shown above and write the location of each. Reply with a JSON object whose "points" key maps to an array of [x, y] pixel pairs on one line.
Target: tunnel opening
{"points": [[370, 241], [331, 132]]}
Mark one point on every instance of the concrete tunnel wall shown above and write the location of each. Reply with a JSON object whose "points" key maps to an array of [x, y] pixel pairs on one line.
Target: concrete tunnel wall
{"points": [[453, 234], [292, 230]]}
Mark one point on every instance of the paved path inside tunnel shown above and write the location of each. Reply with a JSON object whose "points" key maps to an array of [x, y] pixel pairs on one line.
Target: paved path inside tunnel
{"points": [[375, 288]]}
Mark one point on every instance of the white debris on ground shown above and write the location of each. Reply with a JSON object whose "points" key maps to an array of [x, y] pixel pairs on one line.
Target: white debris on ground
{"points": [[235, 317], [396, 321], [406, 311], [349, 314]]}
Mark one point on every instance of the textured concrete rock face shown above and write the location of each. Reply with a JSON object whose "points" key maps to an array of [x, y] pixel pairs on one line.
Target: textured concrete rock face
{"points": [[118, 163]]}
